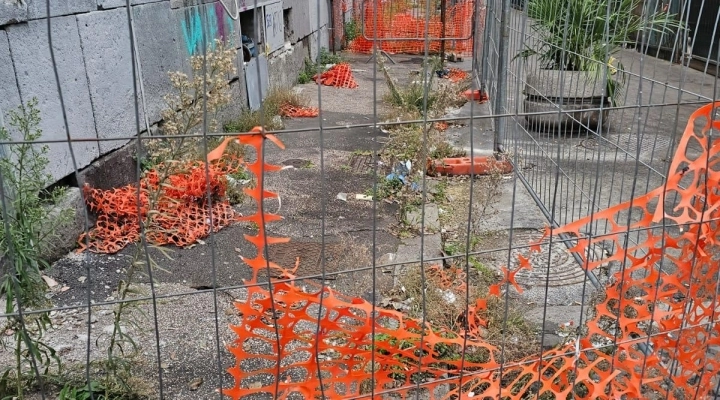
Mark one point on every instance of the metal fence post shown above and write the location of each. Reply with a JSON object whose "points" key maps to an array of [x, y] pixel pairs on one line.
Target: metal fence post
{"points": [[501, 96], [3, 154]]}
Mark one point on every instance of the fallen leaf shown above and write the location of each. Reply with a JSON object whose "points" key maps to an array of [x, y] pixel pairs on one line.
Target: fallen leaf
{"points": [[200, 242], [195, 384], [65, 288], [254, 385], [82, 279], [50, 281]]}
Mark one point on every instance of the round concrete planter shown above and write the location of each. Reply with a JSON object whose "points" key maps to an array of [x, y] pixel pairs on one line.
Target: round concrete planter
{"points": [[570, 99]]}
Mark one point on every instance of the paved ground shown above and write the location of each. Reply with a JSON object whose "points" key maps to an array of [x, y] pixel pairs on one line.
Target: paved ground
{"points": [[186, 309]]}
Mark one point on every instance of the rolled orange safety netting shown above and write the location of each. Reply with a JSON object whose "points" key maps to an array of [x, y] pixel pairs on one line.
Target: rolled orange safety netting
{"points": [[653, 335], [456, 74], [338, 75], [291, 111], [181, 213]]}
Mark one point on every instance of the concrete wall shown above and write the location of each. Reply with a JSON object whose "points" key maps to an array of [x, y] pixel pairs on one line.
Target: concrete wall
{"points": [[93, 55]]}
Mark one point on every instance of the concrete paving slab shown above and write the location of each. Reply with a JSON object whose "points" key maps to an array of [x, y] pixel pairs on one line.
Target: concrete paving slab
{"points": [[106, 47], [30, 51], [408, 252], [160, 51], [519, 212], [414, 218], [38, 8], [559, 314]]}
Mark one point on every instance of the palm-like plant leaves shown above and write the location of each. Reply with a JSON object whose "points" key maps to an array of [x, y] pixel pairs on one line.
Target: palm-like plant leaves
{"points": [[584, 35]]}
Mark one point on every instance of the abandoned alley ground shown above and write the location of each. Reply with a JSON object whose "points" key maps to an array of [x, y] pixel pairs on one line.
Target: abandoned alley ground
{"points": [[194, 291], [189, 314]]}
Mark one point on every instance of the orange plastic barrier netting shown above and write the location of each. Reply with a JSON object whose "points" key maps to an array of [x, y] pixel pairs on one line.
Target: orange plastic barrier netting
{"points": [[397, 20], [338, 75], [456, 75], [182, 213], [673, 310], [298, 112]]}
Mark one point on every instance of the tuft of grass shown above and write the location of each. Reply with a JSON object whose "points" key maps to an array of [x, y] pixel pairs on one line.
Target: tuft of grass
{"points": [[270, 109], [515, 333]]}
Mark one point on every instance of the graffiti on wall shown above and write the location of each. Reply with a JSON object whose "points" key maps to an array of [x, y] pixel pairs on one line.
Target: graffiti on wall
{"points": [[274, 26], [206, 23]]}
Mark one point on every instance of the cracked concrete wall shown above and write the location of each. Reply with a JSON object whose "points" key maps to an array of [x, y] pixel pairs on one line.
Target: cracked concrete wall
{"points": [[92, 51]]}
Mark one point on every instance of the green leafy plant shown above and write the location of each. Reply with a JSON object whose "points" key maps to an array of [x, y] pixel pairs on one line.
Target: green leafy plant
{"points": [[352, 30], [267, 115], [168, 154], [26, 232], [310, 68], [585, 35], [186, 108]]}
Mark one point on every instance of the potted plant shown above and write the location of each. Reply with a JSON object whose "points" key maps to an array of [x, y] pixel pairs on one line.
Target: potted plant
{"points": [[577, 41]]}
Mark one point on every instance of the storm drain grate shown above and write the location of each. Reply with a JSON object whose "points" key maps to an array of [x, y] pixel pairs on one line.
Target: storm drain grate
{"points": [[285, 255], [361, 163]]}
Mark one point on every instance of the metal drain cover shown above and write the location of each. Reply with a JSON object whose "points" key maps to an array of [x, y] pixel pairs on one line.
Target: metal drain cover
{"points": [[296, 162], [286, 254], [361, 163], [563, 270]]}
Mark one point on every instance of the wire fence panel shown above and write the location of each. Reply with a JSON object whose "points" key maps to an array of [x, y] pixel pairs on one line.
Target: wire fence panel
{"points": [[535, 216]]}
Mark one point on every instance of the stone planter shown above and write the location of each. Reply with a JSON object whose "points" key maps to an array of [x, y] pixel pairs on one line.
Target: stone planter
{"points": [[577, 95]]}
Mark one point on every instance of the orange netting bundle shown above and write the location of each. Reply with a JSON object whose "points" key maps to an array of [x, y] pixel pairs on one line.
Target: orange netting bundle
{"points": [[402, 29], [181, 213], [291, 111], [456, 74], [339, 75], [654, 335]]}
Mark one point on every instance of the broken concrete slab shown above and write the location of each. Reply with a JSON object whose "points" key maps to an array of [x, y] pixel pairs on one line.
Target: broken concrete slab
{"points": [[12, 12], [414, 218], [408, 251], [67, 220], [114, 170]]}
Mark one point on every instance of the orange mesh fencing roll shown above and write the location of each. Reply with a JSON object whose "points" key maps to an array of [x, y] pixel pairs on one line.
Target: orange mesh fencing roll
{"points": [[339, 75], [654, 334], [181, 213]]}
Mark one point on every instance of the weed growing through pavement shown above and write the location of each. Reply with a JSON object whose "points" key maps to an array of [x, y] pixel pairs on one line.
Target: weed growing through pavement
{"points": [[268, 115], [352, 30], [311, 68], [27, 230], [170, 153]]}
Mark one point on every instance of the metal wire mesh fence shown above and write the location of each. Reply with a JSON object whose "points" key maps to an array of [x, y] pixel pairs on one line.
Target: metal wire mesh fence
{"points": [[538, 220]]}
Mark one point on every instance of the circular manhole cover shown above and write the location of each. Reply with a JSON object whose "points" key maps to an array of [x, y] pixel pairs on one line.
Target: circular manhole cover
{"points": [[562, 270]]}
